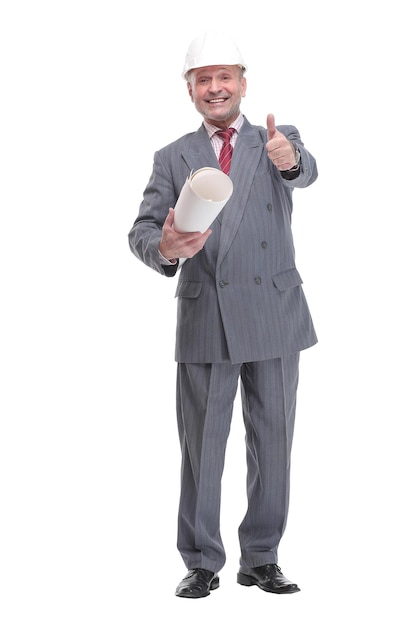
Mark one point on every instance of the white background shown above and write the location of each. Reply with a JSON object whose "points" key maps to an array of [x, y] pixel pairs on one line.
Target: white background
{"points": [[88, 500]]}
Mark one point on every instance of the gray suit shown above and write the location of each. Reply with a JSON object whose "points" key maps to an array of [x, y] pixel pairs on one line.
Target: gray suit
{"points": [[241, 312]]}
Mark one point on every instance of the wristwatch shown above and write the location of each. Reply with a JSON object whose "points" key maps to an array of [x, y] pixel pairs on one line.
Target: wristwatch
{"points": [[297, 161]]}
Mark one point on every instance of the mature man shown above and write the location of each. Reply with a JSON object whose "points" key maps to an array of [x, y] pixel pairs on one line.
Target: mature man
{"points": [[242, 315]]}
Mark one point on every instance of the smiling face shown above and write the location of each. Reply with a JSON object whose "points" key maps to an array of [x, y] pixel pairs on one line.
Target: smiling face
{"points": [[216, 91]]}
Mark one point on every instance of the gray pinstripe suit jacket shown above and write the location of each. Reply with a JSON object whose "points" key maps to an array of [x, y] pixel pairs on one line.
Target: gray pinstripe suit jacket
{"points": [[241, 297]]}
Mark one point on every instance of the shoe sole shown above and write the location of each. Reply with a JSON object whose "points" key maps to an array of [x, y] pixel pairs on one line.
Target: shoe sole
{"points": [[248, 581]]}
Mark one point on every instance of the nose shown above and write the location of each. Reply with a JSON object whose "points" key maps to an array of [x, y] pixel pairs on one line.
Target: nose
{"points": [[215, 85]]}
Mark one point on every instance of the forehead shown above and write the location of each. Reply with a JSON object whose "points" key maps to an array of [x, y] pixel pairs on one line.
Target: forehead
{"points": [[211, 70]]}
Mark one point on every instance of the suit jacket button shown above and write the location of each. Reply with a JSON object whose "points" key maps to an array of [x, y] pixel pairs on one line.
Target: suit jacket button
{"points": [[264, 244], [223, 283], [258, 280], [269, 206]]}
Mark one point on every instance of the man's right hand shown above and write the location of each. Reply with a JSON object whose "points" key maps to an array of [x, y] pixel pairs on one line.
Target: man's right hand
{"points": [[175, 245]]}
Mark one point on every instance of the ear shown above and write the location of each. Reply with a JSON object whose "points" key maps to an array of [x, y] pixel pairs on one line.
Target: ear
{"points": [[243, 87], [190, 91]]}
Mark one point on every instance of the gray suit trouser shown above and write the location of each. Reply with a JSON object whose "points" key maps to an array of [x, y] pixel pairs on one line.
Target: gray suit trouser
{"points": [[205, 396]]}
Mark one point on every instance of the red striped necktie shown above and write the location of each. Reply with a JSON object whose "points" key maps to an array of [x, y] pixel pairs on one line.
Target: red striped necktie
{"points": [[226, 152]]}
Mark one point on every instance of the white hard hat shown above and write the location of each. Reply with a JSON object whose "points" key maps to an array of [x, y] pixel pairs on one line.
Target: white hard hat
{"points": [[212, 49]]}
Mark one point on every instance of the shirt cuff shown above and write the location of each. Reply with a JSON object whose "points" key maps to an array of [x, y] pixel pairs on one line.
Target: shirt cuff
{"points": [[165, 261]]}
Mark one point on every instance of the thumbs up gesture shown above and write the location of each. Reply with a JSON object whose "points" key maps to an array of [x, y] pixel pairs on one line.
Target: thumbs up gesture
{"points": [[279, 149]]}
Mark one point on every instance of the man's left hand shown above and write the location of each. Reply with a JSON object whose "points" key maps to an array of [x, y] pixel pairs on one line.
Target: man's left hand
{"points": [[280, 150]]}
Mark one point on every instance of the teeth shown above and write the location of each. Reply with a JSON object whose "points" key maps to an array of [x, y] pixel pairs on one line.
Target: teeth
{"points": [[218, 100]]}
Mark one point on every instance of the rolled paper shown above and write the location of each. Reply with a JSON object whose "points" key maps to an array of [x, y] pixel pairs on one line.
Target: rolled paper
{"points": [[204, 194]]}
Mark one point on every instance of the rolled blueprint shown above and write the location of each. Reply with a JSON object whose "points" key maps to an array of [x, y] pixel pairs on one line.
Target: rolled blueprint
{"points": [[204, 194]]}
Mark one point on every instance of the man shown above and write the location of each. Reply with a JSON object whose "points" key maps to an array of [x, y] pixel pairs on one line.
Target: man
{"points": [[242, 315]]}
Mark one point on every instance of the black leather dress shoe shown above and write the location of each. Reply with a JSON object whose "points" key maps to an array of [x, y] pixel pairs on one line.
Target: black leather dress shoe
{"points": [[197, 583], [266, 577]]}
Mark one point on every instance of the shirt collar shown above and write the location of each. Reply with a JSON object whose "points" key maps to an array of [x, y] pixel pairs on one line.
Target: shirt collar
{"points": [[237, 125]]}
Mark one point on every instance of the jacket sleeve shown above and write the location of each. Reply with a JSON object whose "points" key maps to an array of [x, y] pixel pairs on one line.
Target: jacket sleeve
{"points": [[145, 234], [308, 170]]}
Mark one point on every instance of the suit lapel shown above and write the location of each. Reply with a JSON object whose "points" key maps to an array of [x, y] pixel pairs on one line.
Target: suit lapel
{"points": [[246, 156], [200, 152]]}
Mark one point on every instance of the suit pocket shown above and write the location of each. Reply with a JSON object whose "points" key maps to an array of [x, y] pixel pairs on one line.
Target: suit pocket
{"points": [[287, 280], [188, 289]]}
